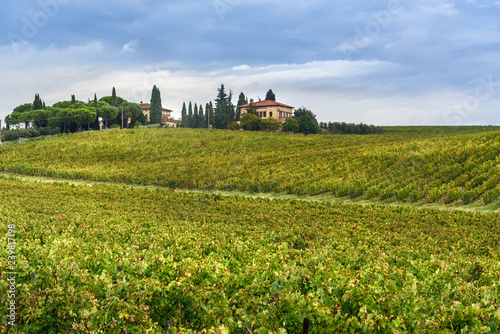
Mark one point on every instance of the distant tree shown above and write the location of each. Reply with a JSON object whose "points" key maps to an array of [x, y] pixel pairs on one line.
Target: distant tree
{"points": [[307, 121], [114, 101], [224, 109], [40, 117], [17, 116], [190, 116], [290, 125], [109, 100], [133, 111], [106, 111], [95, 101], [252, 109], [195, 116], [37, 103], [201, 118], [242, 100], [184, 115], [250, 122], [270, 124], [210, 108], [270, 95], [73, 99], [156, 107], [233, 126], [207, 115]]}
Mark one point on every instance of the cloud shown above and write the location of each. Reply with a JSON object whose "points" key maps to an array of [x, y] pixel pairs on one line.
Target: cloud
{"points": [[421, 60], [241, 67], [130, 46]]}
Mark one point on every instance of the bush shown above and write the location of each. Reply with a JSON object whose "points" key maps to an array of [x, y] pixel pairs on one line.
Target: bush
{"points": [[290, 125], [233, 126], [11, 135]]}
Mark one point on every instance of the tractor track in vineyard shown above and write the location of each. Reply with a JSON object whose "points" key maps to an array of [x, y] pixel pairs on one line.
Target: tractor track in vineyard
{"points": [[327, 198]]}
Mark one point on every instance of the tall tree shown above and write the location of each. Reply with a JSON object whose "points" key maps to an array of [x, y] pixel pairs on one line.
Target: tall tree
{"points": [[307, 121], [114, 101], [190, 115], [73, 99], [37, 103], [184, 115], [270, 95], [196, 119], [156, 108], [242, 100], [201, 118], [207, 115], [224, 108], [95, 101], [106, 111]]}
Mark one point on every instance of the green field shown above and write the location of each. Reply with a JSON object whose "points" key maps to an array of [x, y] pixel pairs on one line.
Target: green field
{"points": [[100, 257], [409, 164]]}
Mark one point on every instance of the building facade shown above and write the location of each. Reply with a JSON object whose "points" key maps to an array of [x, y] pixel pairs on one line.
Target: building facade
{"points": [[146, 110], [268, 109]]}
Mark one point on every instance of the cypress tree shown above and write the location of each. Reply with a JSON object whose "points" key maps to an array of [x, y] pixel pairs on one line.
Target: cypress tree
{"points": [[201, 118], [73, 99], [195, 116], [270, 95], [211, 107], [207, 115], [220, 113], [114, 101], [190, 115], [37, 103], [156, 108], [95, 101], [184, 115]]}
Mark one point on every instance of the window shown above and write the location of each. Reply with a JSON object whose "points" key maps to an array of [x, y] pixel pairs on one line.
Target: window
{"points": [[265, 114], [270, 114]]}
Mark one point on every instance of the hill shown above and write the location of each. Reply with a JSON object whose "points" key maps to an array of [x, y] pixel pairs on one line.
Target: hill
{"points": [[431, 164]]}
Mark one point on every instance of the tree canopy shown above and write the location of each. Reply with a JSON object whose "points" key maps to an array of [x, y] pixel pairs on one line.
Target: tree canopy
{"points": [[270, 95]]}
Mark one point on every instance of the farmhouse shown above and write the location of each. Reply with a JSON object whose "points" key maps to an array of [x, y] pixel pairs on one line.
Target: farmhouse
{"points": [[268, 108], [146, 109]]}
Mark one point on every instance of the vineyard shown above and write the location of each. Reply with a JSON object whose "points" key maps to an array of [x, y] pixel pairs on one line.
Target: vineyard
{"points": [[107, 258], [408, 164]]}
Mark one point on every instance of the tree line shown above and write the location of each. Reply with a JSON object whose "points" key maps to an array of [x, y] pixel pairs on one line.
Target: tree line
{"points": [[226, 115], [34, 119], [349, 128]]}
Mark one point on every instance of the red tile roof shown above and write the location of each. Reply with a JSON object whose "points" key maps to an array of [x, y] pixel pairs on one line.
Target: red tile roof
{"points": [[266, 103]]}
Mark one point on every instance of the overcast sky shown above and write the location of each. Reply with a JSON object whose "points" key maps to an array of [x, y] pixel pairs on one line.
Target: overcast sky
{"points": [[392, 62]]}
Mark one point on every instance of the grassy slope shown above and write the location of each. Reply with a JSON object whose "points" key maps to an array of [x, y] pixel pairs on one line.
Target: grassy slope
{"points": [[445, 163], [121, 258]]}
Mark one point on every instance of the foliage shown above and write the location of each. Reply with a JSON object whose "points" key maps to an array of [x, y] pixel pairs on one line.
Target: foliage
{"points": [[270, 95], [249, 120], [307, 121], [224, 109], [349, 128], [291, 125], [179, 262], [10, 135], [435, 167], [270, 124], [233, 126], [156, 107], [37, 103]]}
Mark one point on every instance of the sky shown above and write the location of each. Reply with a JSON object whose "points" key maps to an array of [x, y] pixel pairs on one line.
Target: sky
{"points": [[391, 62]]}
